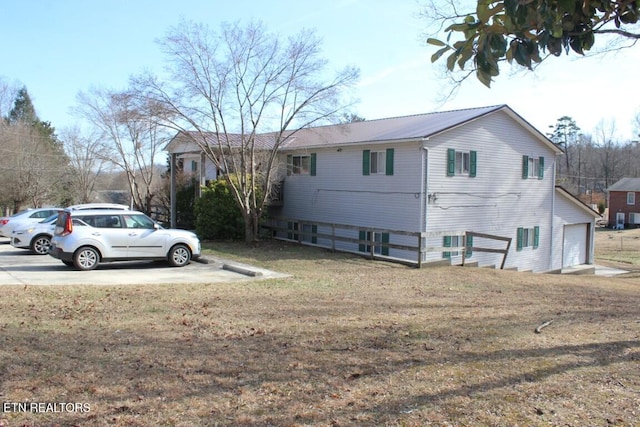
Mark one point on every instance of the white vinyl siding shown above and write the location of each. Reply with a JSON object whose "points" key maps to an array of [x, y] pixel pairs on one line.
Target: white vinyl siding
{"points": [[497, 201], [342, 193]]}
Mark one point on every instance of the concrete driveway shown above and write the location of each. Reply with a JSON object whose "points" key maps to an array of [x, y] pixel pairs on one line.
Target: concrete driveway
{"points": [[20, 267]]}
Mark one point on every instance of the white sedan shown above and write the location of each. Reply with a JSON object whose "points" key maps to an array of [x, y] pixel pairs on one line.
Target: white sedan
{"points": [[24, 218], [36, 236]]}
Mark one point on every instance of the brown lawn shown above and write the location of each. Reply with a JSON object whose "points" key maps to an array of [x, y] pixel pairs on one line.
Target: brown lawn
{"points": [[344, 342]]}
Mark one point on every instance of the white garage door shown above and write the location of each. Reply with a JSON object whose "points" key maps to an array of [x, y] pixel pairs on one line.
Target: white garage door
{"points": [[575, 245]]}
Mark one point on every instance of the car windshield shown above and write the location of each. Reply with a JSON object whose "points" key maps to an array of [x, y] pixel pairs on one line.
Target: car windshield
{"points": [[50, 219]]}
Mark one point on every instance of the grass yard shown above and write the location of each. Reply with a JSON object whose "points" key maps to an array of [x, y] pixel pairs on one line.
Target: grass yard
{"points": [[344, 342]]}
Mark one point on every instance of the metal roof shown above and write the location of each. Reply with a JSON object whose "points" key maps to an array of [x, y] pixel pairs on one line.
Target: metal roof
{"points": [[369, 131], [384, 130]]}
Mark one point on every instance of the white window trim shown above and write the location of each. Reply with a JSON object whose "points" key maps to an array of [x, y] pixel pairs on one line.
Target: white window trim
{"points": [[631, 198], [380, 162], [463, 163], [534, 167], [298, 170]]}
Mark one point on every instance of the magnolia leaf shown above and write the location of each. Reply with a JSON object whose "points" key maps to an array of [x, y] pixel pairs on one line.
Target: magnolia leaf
{"points": [[463, 57], [439, 53], [435, 42], [484, 78], [451, 61]]}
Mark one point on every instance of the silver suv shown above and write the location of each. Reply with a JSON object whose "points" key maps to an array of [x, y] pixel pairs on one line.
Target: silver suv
{"points": [[84, 238]]}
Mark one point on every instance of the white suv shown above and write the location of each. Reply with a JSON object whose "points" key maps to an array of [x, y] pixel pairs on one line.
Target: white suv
{"points": [[84, 238]]}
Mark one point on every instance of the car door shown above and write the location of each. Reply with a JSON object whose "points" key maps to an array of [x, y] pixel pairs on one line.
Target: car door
{"points": [[110, 231], [144, 239]]}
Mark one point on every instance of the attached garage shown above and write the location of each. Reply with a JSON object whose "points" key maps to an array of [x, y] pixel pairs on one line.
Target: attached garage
{"points": [[573, 232], [575, 244]]}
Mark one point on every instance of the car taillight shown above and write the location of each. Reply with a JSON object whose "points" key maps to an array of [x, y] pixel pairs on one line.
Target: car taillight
{"points": [[68, 226], [3, 222]]}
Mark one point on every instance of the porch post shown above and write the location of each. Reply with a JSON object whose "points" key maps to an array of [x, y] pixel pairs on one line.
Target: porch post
{"points": [[172, 190]]}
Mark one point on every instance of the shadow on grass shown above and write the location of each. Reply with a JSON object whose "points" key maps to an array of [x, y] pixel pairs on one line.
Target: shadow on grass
{"points": [[253, 376]]}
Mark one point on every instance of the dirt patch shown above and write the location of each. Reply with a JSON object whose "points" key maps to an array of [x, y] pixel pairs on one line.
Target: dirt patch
{"points": [[343, 342]]}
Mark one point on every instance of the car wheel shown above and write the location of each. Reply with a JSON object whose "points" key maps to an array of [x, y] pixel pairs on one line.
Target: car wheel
{"points": [[179, 256], [40, 244], [86, 258]]}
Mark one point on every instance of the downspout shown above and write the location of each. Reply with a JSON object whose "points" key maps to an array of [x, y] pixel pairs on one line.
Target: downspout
{"points": [[424, 198], [424, 189], [172, 191], [553, 215]]}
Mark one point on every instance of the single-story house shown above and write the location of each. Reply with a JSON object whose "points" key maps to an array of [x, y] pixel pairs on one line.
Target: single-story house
{"points": [[624, 203], [465, 186]]}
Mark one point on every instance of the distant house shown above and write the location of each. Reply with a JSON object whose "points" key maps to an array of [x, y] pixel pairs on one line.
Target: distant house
{"points": [[624, 203], [462, 186]]}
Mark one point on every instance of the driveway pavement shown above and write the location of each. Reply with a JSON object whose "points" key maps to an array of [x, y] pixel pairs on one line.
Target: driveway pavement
{"points": [[20, 267]]}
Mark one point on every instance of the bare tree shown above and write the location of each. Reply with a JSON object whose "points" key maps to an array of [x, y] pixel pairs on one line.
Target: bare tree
{"points": [[87, 158], [239, 94], [31, 169], [133, 139], [8, 92], [610, 152]]}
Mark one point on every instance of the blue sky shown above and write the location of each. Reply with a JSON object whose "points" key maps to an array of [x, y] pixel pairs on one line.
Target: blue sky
{"points": [[57, 48]]}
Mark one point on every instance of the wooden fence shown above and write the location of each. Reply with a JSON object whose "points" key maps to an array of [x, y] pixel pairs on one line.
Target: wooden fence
{"points": [[376, 248]]}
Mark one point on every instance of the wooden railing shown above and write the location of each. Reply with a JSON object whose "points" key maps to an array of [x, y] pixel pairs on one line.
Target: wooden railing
{"points": [[375, 248]]}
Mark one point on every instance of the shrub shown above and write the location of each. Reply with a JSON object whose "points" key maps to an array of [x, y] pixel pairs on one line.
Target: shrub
{"points": [[601, 207], [217, 214]]}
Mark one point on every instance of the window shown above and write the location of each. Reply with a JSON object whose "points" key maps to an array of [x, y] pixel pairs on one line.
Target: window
{"points": [[631, 198], [528, 238], [194, 166], [451, 242], [377, 162], [378, 239], [292, 226], [461, 163], [304, 164], [102, 221], [309, 232], [532, 167], [138, 221]]}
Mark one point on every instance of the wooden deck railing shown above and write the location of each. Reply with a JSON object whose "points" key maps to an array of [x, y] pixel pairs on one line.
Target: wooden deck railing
{"points": [[375, 248]]}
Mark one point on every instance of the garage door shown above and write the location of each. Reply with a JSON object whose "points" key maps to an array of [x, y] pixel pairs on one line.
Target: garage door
{"points": [[575, 245]]}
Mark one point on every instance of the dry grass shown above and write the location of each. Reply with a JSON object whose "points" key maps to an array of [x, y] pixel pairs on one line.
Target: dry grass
{"points": [[620, 248], [345, 342]]}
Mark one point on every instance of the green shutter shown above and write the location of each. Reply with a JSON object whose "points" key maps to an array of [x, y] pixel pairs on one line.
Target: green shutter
{"points": [[525, 167], [389, 159], [366, 161], [314, 231], [541, 168], [289, 227], [362, 235], [289, 164], [451, 162], [536, 236], [473, 160], [313, 164], [446, 242], [385, 239], [469, 245], [520, 238]]}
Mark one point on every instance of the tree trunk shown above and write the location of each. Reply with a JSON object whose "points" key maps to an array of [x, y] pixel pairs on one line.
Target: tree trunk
{"points": [[251, 226]]}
